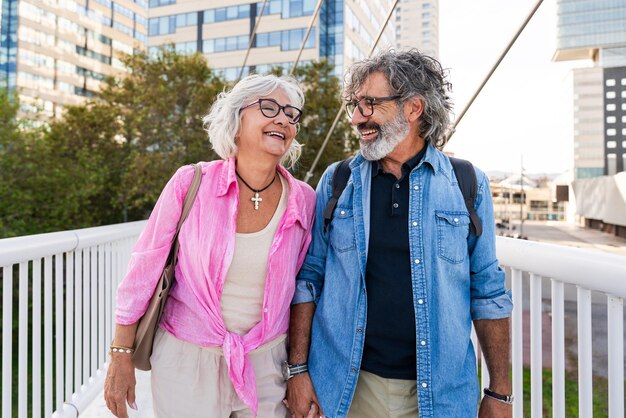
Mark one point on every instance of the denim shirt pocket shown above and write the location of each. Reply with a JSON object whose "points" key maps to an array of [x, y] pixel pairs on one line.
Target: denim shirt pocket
{"points": [[342, 230], [452, 233]]}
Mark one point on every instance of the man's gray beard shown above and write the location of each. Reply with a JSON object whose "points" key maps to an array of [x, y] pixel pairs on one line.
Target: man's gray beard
{"points": [[389, 136]]}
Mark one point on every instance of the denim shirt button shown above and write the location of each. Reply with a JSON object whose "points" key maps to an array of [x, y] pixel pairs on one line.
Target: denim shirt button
{"points": [[343, 212], [420, 301], [353, 369], [416, 187], [417, 261], [423, 343], [359, 330], [414, 223], [424, 385]]}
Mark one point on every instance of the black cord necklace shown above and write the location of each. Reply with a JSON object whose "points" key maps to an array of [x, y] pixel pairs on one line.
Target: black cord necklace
{"points": [[256, 199]]}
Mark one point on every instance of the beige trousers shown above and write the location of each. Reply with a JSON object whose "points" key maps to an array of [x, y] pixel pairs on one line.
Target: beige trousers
{"points": [[378, 397], [189, 381]]}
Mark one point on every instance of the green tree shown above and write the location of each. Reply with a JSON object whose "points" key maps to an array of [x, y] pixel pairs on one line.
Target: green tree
{"points": [[159, 106]]}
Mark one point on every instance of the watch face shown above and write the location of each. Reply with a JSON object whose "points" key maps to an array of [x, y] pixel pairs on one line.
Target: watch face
{"points": [[285, 370]]}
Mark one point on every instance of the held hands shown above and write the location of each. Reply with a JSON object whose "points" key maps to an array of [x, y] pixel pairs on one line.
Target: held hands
{"points": [[119, 386], [301, 399], [492, 408]]}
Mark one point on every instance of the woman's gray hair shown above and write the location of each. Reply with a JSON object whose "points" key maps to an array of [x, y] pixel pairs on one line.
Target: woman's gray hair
{"points": [[410, 74], [224, 119]]}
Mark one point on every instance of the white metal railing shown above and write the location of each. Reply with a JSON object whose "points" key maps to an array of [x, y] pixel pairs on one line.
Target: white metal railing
{"points": [[69, 278], [66, 280], [592, 273]]}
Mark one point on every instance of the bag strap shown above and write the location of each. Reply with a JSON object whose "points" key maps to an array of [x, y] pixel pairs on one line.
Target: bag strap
{"points": [[468, 183], [340, 180], [190, 197]]}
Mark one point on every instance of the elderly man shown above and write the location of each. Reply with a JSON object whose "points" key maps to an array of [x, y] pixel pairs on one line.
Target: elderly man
{"points": [[381, 320]]}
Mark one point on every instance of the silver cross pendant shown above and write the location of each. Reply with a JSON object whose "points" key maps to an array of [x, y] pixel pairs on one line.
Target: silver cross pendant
{"points": [[256, 199]]}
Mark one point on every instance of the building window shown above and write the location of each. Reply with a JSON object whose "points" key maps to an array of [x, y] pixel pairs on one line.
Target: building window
{"points": [[623, 119], [158, 3], [610, 82], [611, 164], [623, 131], [611, 144], [611, 119], [611, 107], [610, 95], [624, 94], [611, 132], [623, 81], [624, 145], [426, 6]]}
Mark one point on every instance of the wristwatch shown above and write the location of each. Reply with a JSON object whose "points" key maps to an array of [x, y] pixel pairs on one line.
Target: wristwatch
{"points": [[291, 370]]}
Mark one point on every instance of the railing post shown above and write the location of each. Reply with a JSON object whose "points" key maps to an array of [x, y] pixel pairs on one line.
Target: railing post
{"points": [[22, 385], [536, 363], [36, 354], [59, 319], [585, 375], [47, 336], [517, 343], [558, 350], [7, 340], [615, 328]]}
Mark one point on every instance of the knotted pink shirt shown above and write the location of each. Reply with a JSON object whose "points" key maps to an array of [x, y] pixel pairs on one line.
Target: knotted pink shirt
{"points": [[207, 240]]}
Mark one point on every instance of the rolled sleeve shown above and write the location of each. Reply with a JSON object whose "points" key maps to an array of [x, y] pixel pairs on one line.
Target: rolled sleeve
{"points": [[310, 279], [489, 296]]}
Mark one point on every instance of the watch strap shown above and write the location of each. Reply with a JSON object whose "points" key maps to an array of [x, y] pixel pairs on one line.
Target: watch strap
{"points": [[498, 396], [296, 369]]}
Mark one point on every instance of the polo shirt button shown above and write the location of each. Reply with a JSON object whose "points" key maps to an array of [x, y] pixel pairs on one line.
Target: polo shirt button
{"points": [[397, 186], [417, 261], [423, 343], [420, 301], [424, 385], [395, 206], [414, 223]]}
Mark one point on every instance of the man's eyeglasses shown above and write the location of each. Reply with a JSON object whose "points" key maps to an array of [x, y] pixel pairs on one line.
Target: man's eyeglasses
{"points": [[368, 109], [270, 109]]}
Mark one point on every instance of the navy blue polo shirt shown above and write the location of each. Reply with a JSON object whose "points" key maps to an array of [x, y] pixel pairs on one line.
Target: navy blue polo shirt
{"points": [[389, 349]]}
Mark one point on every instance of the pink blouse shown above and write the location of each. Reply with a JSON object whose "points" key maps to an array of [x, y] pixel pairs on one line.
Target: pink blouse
{"points": [[207, 240]]}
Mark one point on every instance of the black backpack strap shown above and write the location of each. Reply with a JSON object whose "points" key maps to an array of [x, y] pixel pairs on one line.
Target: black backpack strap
{"points": [[468, 183], [340, 180]]}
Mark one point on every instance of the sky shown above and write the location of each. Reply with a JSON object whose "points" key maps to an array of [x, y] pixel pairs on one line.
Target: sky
{"points": [[525, 111]]}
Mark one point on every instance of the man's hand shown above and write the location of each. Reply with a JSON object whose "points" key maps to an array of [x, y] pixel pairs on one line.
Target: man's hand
{"points": [[302, 401], [492, 408], [119, 386]]}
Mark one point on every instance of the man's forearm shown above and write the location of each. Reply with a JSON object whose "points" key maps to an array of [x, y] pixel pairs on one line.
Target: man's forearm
{"points": [[494, 338], [300, 332]]}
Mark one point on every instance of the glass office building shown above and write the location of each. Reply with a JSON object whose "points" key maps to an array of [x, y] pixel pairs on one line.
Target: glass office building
{"points": [[56, 53], [344, 31], [596, 30]]}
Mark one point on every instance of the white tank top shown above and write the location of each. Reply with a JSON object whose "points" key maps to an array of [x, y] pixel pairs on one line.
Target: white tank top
{"points": [[244, 288]]}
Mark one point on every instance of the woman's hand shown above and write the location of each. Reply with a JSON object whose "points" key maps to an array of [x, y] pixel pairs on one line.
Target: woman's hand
{"points": [[119, 386]]}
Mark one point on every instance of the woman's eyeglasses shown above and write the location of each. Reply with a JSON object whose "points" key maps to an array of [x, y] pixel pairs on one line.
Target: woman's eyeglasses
{"points": [[367, 110], [270, 109]]}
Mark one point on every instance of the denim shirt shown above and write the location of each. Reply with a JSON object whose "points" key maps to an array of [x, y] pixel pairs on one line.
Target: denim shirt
{"points": [[455, 279]]}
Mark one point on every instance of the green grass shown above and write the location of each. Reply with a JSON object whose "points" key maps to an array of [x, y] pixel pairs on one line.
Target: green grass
{"points": [[600, 395]]}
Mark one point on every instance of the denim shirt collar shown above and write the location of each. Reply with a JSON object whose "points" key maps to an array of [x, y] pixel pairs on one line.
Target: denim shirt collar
{"points": [[433, 157]]}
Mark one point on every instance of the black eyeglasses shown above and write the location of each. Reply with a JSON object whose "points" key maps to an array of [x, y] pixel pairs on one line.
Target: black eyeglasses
{"points": [[270, 109], [368, 110]]}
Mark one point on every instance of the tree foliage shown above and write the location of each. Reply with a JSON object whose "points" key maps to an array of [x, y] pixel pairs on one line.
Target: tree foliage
{"points": [[107, 160]]}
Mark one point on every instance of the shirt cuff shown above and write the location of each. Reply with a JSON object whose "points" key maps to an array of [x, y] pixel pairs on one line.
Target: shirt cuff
{"points": [[305, 292], [494, 308]]}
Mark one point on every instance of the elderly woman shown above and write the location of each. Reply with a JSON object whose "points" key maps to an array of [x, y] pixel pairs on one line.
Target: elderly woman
{"points": [[221, 342]]}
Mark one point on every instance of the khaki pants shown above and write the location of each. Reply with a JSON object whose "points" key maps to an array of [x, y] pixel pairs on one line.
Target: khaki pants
{"points": [[378, 397], [189, 381]]}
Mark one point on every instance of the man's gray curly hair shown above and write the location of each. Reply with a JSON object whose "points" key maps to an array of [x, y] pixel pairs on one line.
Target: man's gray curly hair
{"points": [[410, 74]]}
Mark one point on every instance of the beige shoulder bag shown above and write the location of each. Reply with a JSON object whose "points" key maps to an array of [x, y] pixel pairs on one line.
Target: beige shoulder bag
{"points": [[146, 329]]}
